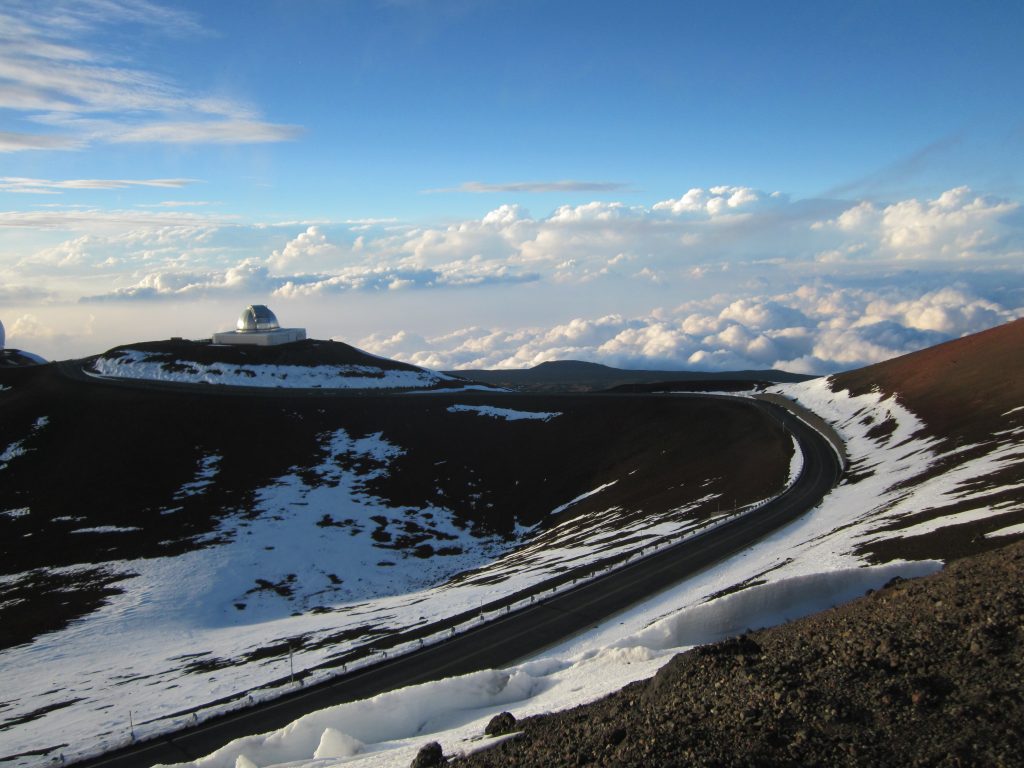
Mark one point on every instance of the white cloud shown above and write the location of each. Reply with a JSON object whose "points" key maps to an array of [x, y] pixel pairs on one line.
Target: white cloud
{"points": [[715, 201], [206, 132], [956, 225], [12, 141], [27, 327], [75, 219], [309, 246]]}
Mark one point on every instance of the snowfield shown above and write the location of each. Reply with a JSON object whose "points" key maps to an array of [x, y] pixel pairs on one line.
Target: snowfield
{"points": [[136, 364], [196, 628], [809, 565]]}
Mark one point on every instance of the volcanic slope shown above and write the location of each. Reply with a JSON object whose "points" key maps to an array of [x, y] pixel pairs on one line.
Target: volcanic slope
{"points": [[935, 442], [168, 548]]}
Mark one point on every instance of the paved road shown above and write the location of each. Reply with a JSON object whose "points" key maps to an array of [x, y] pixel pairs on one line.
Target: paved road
{"points": [[505, 640]]}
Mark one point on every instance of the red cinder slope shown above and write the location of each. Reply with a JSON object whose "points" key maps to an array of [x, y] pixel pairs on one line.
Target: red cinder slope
{"points": [[961, 388]]}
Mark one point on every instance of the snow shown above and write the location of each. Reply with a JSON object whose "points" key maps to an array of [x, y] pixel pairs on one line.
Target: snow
{"points": [[15, 513], [136, 364], [18, 447], [107, 529], [506, 414], [1012, 530], [582, 496], [206, 473]]}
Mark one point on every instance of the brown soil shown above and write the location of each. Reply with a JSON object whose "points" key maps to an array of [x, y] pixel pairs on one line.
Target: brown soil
{"points": [[923, 672]]}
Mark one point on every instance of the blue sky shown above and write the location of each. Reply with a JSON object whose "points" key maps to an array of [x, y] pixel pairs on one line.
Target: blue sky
{"points": [[467, 183]]}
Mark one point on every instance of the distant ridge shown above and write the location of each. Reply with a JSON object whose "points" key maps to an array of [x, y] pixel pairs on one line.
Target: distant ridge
{"points": [[581, 376], [306, 364]]}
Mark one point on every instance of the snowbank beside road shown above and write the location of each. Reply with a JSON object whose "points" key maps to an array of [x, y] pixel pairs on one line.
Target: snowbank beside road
{"points": [[388, 729]]}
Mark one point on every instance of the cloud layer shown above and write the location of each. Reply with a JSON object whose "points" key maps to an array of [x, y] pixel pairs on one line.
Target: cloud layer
{"points": [[720, 278], [815, 329]]}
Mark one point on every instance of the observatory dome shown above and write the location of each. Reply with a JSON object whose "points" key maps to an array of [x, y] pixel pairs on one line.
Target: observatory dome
{"points": [[257, 317], [2, 337]]}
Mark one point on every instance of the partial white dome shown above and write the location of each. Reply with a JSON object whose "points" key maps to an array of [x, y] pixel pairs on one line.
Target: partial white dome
{"points": [[3, 338], [257, 317]]}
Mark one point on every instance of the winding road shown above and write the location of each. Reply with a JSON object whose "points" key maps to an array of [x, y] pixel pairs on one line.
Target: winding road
{"points": [[511, 637]]}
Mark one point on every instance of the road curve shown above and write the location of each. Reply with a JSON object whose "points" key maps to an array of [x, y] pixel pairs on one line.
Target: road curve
{"points": [[508, 638]]}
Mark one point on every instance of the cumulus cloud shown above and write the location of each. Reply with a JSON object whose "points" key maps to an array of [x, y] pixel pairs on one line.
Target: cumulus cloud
{"points": [[306, 247], [957, 225], [815, 329], [27, 327], [716, 201]]}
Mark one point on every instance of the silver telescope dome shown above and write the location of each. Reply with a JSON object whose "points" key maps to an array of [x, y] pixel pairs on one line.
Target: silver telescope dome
{"points": [[257, 317], [3, 338]]}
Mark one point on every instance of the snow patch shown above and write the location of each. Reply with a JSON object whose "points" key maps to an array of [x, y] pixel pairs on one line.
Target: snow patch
{"points": [[135, 364], [108, 529], [581, 497], [17, 448], [507, 414], [1012, 530], [206, 473]]}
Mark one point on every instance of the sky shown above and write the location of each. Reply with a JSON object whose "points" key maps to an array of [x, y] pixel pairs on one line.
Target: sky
{"points": [[466, 183]]}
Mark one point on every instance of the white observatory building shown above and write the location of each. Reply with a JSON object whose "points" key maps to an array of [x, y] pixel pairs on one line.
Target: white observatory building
{"points": [[257, 326]]}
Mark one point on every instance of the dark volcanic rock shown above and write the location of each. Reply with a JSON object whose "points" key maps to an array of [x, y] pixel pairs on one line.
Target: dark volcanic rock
{"points": [[500, 724], [430, 756], [923, 672]]}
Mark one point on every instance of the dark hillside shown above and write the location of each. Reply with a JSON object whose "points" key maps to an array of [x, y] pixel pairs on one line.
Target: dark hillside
{"points": [[579, 376], [113, 460]]}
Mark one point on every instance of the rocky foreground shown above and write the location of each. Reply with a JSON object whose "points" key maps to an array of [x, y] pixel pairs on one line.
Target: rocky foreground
{"points": [[922, 672]]}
